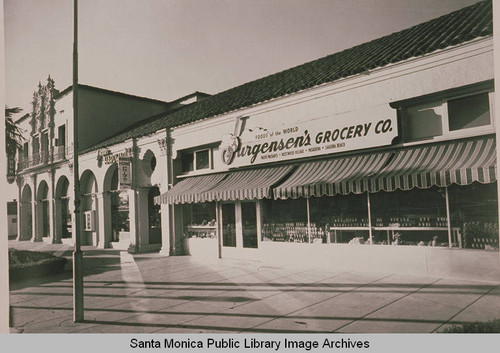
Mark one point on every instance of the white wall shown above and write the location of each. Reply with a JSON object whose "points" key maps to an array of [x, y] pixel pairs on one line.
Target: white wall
{"points": [[358, 95]]}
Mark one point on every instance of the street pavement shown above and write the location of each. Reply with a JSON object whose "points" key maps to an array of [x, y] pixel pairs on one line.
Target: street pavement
{"points": [[149, 293]]}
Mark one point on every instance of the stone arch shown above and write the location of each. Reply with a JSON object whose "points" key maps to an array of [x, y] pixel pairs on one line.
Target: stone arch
{"points": [[116, 206], [111, 178], [63, 209], [26, 214], [42, 210], [88, 182], [89, 208]]}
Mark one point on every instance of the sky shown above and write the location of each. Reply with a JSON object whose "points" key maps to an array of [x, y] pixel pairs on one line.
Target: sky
{"points": [[166, 49]]}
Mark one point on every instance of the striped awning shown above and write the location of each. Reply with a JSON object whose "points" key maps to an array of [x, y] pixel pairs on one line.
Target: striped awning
{"points": [[335, 176], [247, 184], [189, 190], [439, 164], [443, 164]]}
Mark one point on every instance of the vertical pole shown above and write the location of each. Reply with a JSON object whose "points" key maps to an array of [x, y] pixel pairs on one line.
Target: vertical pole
{"points": [[258, 209], [308, 221], [448, 215], [21, 218], [77, 254], [218, 220], [496, 53], [239, 224], [369, 217]]}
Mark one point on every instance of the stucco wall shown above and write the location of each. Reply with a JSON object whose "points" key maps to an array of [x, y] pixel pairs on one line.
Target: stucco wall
{"points": [[421, 261], [358, 95]]}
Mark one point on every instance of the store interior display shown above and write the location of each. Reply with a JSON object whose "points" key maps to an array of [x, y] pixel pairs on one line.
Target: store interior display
{"points": [[199, 220], [292, 232], [416, 217]]}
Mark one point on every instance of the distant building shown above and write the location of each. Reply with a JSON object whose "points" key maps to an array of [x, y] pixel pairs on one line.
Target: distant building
{"points": [[381, 157]]}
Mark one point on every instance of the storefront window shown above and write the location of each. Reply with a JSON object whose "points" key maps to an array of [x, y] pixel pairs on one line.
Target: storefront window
{"points": [[284, 220], [414, 217], [120, 212], [474, 209], [199, 220], [344, 217]]}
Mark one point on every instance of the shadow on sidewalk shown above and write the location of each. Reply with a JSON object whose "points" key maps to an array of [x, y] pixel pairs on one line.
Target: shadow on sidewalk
{"points": [[94, 262]]}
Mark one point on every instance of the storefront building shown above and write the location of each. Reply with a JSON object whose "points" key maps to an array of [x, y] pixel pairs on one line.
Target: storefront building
{"points": [[109, 198], [381, 157]]}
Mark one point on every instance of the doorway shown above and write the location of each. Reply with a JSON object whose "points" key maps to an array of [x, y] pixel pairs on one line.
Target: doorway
{"points": [[249, 224], [228, 224], [240, 224]]}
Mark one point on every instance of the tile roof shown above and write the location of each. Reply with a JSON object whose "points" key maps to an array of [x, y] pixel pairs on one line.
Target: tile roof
{"points": [[454, 28], [69, 89]]}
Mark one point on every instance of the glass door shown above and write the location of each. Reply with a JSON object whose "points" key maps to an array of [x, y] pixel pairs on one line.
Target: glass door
{"points": [[228, 224], [249, 224]]}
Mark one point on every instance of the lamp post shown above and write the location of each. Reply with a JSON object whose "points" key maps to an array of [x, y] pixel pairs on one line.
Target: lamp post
{"points": [[77, 254]]}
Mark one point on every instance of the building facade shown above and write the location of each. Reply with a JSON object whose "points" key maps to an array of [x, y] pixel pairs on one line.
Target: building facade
{"points": [[45, 166], [380, 157]]}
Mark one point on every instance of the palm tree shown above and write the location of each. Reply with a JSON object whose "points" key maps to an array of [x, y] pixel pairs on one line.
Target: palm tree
{"points": [[13, 135]]}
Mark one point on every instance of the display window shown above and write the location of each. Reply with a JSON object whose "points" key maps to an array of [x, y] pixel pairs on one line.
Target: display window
{"points": [[199, 220], [414, 217], [474, 208], [284, 220], [120, 212], [344, 217]]}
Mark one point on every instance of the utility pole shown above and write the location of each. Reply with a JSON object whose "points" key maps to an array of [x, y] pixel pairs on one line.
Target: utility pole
{"points": [[77, 254]]}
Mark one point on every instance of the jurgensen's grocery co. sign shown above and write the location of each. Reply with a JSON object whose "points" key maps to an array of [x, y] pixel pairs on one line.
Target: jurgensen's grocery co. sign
{"points": [[340, 133]]}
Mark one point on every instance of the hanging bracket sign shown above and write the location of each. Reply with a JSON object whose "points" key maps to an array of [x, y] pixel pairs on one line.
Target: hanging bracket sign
{"points": [[124, 173], [11, 168]]}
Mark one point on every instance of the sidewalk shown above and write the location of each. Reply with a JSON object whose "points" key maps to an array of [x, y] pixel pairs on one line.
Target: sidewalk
{"points": [[149, 293]]}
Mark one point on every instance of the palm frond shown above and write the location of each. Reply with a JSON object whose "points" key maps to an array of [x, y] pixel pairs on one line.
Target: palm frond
{"points": [[13, 135]]}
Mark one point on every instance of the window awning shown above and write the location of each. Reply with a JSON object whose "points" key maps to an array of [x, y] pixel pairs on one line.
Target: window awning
{"points": [[239, 185], [439, 164], [247, 184], [443, 164], [189, 190], [335, 176]]}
